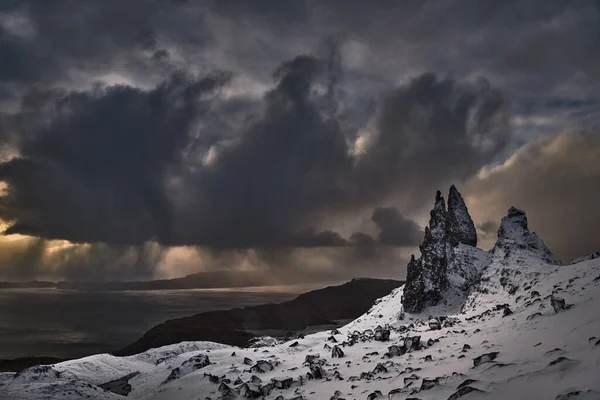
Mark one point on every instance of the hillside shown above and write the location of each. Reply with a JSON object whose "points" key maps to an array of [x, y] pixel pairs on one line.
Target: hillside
{"points": [[325, 306]]}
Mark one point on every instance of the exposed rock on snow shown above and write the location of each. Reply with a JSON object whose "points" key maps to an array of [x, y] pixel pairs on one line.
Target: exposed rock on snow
{"points": [[587, 257], [485, 358], [119, 386], [192, 364], [337, 352], [558, 303], [261, 367]]}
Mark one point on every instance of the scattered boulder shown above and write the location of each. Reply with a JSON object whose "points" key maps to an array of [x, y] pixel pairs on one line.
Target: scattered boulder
{"points": [[559, 360], [507, 311], [337, 376], [434, 324], [282, 383], [316, 371], [463, 391], [312, 358], [412, 343], [558, 303], [465, 348], [382, 334], [395, 351], [251, 391], [248, 361], [261, 367], [427, 384], [265, 390], [337, 352], [226, 391], [374, 395], [380, 368], [485, 358], [212, 378]]}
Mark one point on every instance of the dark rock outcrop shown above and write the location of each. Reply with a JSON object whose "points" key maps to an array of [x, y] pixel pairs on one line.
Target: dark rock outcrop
{"points": [[461, 228], [427, 276], [587, 257], [119, 386]]}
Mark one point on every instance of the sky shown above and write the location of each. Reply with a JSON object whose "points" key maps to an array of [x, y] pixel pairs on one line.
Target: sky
{"points": [[147, 139]]}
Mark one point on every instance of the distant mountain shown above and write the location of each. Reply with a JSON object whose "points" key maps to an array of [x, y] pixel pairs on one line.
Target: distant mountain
{"points": [[201, 280]]}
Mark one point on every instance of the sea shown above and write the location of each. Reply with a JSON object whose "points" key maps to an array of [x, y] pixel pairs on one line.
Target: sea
{"points": [[73, 324]]}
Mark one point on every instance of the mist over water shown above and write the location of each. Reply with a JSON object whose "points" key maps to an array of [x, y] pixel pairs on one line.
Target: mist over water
{"points": [[70, 324]]}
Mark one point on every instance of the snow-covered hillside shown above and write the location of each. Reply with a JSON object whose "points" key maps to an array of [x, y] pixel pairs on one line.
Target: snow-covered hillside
{"points": [[541, 354], [528, 329]]}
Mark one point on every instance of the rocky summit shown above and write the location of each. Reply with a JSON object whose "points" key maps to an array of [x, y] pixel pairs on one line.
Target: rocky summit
{"points": [[428, 276]]}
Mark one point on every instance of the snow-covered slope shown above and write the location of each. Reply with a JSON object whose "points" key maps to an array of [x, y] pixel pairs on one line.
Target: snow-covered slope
{"points": [[511, 323], [540, 353]]}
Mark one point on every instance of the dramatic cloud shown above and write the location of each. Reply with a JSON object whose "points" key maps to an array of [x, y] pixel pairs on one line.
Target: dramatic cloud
{"points": [[315, 131], [94, 171], [395, 229], [99, 169], [555, 181]]}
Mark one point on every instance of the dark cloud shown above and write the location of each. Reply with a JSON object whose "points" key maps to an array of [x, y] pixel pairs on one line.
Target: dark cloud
{"points": [[388, 109], [395, 229], [432, 131], [99, 168], [95, 170]]}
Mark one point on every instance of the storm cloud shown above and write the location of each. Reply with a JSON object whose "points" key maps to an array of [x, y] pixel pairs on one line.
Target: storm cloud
{"points": [[313, 132], [101, 168]]}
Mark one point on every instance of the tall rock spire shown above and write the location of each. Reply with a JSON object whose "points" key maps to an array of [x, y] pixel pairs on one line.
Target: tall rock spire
{"points": [[427, 276], [461, 228]]}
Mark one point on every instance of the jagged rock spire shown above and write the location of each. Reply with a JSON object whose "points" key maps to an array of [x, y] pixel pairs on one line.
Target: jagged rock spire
{"points": [[461, 228], [427, 276]]}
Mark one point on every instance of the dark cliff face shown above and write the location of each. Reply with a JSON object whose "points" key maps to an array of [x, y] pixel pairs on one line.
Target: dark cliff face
{"points": [[461, 228], [427, 276]]}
